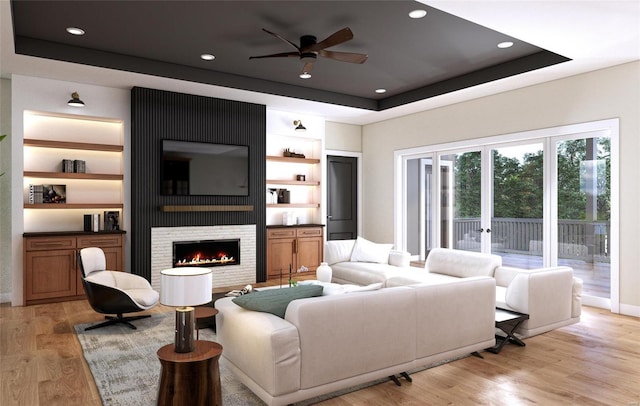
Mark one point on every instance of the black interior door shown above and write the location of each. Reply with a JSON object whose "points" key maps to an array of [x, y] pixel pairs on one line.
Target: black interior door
{"points": [[342, 197]]}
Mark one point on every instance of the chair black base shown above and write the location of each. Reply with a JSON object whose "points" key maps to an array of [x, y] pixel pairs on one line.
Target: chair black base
{"points": [[118, 320]]}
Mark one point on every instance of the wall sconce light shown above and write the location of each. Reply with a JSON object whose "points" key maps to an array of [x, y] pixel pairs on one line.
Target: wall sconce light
{"points": [[300, 127], [75, 100]]}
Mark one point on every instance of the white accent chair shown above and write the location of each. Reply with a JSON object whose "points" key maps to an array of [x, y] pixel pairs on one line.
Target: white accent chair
{"points": [[114, 292]]}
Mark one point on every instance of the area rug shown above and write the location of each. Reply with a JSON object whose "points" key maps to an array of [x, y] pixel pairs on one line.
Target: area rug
{"points": [[126, 369]]}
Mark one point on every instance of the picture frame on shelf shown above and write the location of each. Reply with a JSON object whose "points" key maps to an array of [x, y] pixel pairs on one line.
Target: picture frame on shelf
{"points": [[111, 220], [54, 194]]}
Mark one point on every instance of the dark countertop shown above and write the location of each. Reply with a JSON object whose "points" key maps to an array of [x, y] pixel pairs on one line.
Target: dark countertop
{"points": [[295, 225], [63, 233]]}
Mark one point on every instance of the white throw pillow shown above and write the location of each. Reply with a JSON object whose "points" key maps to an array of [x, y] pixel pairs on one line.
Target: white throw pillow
{"points": [[338, 251], [367, 251]]}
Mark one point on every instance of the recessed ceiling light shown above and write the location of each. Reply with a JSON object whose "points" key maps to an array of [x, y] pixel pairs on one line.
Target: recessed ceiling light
{"points": [[75, 31], [506, 44], [207, 57], [380, 91], [418, 13], [305, 75]]}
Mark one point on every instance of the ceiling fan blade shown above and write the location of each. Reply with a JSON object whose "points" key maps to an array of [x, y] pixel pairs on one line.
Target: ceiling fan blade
{"points": [[344, 56], [307, 67], [282, 38], [280, 55], [336, 38]]}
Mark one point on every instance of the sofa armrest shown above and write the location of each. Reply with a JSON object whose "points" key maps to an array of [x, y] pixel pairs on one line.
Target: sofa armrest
{"points": [[399, 258], [576, 304], [264, 346], [545, 294]]}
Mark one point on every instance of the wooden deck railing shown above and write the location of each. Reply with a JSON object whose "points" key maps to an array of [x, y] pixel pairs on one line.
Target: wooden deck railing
{"points": [[576, 239]]}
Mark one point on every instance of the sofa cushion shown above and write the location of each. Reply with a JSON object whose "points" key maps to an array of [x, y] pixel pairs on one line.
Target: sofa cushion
{"points": [[413, 276], [399, 258], [338, 251], [275, 301], [462, 264], [367, 251], [361, 273], [337, 289], [501, 301]]}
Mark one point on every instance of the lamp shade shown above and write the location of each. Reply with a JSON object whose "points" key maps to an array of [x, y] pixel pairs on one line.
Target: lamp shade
{"points": [[185, 286]]}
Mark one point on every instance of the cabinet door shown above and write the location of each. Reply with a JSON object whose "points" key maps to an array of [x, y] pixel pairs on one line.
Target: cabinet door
{"points": [[280, 255], [114, 262], [50, 274], [110, 244], [113, 256], [310, 252]]}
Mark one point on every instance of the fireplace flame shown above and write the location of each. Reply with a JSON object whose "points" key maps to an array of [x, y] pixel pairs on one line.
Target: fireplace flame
{"points": [[206, 253], [199, 259]]}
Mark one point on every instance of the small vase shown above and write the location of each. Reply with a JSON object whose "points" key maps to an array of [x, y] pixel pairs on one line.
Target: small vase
{"points": [[324, 272]]}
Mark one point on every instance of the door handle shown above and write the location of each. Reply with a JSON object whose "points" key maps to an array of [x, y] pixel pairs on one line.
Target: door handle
{"points": [[329, 217], [488, 230], [481, 230]]}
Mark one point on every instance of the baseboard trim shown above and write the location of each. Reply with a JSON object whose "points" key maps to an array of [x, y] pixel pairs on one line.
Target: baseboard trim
{"points": [[630, 310], [5, 297]]}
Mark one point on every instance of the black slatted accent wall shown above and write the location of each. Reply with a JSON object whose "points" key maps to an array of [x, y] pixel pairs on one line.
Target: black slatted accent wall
{"points": [[158, 115]]}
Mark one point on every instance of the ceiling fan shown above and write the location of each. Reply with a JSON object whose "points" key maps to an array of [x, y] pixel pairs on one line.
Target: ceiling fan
{"points": [[309, 50]]}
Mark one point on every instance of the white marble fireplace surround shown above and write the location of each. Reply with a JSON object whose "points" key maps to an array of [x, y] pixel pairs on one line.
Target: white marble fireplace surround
{"points": [[162, 239]]}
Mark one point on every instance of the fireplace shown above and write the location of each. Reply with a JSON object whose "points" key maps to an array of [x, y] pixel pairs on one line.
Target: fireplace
{"points": [[206, 253]]}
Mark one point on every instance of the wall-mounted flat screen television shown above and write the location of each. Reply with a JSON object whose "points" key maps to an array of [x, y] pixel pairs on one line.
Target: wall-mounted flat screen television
{"points": [[200, 168]]}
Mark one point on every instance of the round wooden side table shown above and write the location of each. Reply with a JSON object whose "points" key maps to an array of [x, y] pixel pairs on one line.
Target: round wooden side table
{"points": [[205, 316], [190, 378]]}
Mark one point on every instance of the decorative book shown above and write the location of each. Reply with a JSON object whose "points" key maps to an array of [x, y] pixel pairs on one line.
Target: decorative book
{"points": [[67, 166], [35, 194]]}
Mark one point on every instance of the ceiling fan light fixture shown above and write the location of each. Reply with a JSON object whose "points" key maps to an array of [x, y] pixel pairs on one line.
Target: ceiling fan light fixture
{"points": [[417, 13], [505, 44], [207, 57], [75, 100], [300, 127], [305, 75], [75, 31]]}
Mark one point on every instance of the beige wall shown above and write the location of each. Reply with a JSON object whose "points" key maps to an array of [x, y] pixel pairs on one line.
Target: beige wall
{"points": [[608, 93], [343, 137], [5, 191]]}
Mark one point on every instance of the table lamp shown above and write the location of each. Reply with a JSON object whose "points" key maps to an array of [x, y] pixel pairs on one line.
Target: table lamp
{"points": [[184, 288]]}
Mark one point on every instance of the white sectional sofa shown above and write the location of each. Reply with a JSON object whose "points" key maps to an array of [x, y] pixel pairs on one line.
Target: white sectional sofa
{"points": [[327, 343], [550, 296]]}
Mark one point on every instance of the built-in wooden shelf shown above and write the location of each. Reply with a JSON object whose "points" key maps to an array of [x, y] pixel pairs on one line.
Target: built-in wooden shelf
{"points": [[62, 206], [293, 182], [210, 207], [73, 175], [293, 160], [72, 145], [295, 205]]}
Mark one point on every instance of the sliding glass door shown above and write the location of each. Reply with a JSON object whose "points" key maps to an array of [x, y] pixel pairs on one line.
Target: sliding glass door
{"points": [[460, 200], [584, 210], [517, 206], [546, 199]]}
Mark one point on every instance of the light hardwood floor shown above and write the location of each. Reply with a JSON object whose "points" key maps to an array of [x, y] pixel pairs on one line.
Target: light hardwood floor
{"points": [[595, 362]]}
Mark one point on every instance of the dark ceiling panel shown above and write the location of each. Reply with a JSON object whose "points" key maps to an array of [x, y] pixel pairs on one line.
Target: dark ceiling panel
{"points": [[412, 59]]}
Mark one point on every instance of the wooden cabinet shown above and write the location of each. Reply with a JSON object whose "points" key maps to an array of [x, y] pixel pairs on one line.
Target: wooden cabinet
{"points": [[51, 271], [295, 246]]}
